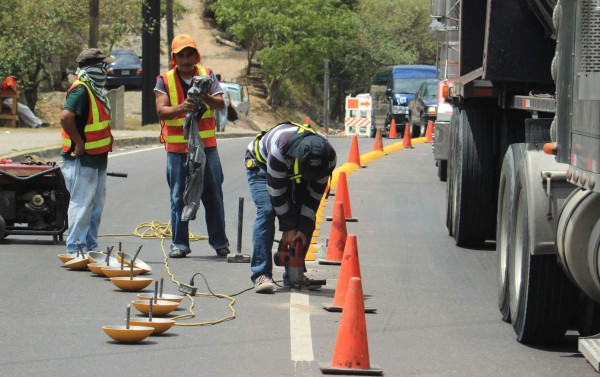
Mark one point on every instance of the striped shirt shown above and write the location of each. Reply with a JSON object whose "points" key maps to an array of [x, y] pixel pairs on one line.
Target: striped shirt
{"points": [[282, 189]]}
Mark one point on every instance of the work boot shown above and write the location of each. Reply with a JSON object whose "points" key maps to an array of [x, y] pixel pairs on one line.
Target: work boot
{"points": [[222, 252], [263, 284], [177, 252]]}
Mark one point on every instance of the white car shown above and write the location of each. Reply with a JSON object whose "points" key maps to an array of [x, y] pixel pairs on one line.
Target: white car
{"points": [[238, 94]]}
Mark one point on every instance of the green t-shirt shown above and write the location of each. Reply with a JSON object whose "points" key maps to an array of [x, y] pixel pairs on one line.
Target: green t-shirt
{"points": [[78, 102]]}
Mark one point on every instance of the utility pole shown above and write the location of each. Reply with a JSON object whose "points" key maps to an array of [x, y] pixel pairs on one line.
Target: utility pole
{"points": [[170, 34], [94, 22], [326, 96], [150, 58]]}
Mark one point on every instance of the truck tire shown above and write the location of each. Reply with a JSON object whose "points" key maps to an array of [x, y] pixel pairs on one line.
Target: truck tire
{"points": [[588, 316], [2, 228], [473, 208], [541, 296], [450, 198], [442, 167], [506, 213]]}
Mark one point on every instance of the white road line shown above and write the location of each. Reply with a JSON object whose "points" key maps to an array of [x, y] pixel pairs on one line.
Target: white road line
{"points": [[119, 154], [300, 335]]}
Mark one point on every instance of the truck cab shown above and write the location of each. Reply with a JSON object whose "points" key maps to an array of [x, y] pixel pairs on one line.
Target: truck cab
{"points": [[391, 90]]}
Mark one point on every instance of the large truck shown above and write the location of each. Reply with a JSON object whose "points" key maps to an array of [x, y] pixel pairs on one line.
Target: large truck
{"points": [[522, 151]]}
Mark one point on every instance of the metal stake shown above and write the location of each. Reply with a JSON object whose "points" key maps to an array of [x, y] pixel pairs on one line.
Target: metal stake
{"points": [[238, 257]]}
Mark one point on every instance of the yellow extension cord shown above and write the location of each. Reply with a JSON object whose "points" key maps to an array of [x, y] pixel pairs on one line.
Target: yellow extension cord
{"points": [[162, 231]]}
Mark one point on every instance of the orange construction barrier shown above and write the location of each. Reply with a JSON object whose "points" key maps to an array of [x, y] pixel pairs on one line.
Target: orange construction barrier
{"points": [[342, 195], [429, 132], [354, 156], [393, 132], [406, 141], [350, 269], [378, 144], [351, 351], [337, 237]]}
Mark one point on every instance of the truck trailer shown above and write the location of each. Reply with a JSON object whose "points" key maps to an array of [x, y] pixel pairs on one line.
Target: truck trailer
{"points": [[521, 154]]}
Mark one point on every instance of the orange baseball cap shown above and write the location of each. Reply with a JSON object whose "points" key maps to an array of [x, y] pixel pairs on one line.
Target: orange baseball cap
{"points": [[180, 42]]}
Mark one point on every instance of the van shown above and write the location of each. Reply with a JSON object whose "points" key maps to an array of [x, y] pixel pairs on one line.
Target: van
{"points": [[238, 94], [391, 90]]}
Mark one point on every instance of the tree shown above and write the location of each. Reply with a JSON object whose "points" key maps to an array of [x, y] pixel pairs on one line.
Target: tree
{"points": [[290, 37], [31, 50]]}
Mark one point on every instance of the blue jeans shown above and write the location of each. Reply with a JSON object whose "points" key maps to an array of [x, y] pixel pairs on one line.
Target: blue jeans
{"points": [[87, 188], [212, 199], [221, 119], [263, 233]]}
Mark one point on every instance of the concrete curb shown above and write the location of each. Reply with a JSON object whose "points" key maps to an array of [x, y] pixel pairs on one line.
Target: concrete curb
{"points": [[52, 152]]}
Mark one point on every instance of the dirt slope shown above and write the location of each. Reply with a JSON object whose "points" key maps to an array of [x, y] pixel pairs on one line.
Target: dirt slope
{"points": [[229, 61]]}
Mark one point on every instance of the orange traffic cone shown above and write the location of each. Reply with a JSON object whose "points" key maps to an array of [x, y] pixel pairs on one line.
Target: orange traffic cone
{"points": [[308, 121], [378, 144], [337, 237], [350, 269], [429, 132], [342, 195], [393, 133], [406, 141], [351, 351], [354, 156]]}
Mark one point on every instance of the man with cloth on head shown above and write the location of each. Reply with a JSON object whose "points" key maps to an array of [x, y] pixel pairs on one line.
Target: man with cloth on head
{"points": [[86, 141], [172, 105], [287, 167]]}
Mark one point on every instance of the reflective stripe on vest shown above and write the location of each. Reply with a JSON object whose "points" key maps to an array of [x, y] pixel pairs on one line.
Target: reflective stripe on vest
{"points": [[301, 129], [172, 129], [98, 138]]}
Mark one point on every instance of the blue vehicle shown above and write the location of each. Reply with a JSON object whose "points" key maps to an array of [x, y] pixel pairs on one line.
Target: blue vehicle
{"points": [[392, 88]]}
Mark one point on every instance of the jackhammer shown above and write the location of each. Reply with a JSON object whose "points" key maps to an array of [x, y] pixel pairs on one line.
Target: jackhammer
{"points": [[293, 259]]}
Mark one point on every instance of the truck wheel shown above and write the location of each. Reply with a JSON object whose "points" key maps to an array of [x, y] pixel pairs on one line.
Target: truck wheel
{"points": [[442, 166], [2, 228], [588, 318], [505, 216], [541, 296], [450, 199], [473, 179], [422, 126]]}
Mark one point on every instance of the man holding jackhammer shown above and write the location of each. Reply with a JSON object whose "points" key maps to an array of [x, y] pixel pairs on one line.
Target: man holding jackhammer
{"points": [[287, 167], [172, 105], [86, 141]]}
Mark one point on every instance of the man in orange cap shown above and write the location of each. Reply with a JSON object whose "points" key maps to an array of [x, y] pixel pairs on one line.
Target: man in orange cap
{"points": [[172, 105]]}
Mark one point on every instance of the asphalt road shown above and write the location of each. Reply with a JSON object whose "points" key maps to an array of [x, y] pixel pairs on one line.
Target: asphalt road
{"points": [[436, 303]]}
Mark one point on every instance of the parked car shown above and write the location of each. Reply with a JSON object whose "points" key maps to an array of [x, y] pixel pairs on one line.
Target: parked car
{"points": [[423, 107], [239, 96], [125, 70]]}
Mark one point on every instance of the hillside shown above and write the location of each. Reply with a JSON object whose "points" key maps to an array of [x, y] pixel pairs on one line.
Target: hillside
{"points": [[225, 59]]}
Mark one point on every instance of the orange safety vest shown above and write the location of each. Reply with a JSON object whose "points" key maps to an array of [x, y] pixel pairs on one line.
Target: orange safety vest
{"points": [[98, 138], [172, 129]]}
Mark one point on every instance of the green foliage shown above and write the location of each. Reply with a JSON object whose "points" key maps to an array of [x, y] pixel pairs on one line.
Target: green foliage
{"points": [[29, 47], [292, 38]]}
